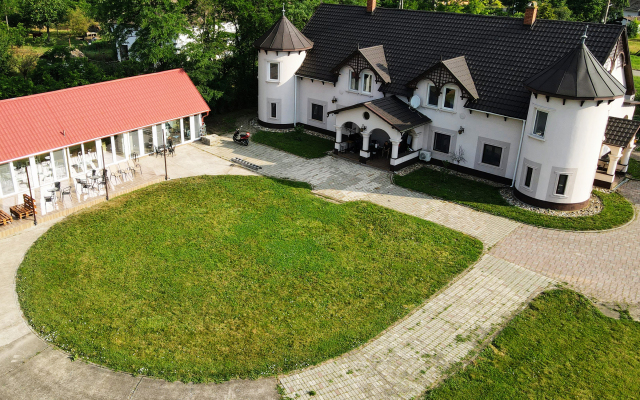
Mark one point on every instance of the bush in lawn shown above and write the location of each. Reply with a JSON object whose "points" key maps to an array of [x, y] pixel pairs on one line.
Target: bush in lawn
{"points": [[632, 29], [297, 133]]}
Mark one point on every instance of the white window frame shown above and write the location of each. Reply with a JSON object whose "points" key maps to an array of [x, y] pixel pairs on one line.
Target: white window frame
{"points": [[363, 78], [444, 96], [352, 75], [535, 122], [269, 71], [426, 103]]}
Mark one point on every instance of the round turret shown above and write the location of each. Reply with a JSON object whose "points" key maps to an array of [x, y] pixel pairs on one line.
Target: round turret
{"points": [[568, 113], [281, 52]]}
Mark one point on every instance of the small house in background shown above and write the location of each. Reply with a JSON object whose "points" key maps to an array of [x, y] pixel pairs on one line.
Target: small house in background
{"points": [[66, 134], [533, 103]]}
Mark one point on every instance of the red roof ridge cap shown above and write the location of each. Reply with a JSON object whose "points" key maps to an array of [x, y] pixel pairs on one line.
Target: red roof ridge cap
{"points": [[95, 84]]}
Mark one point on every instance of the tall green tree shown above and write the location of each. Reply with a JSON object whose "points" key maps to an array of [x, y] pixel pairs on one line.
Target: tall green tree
{"points": [[44, 13]]}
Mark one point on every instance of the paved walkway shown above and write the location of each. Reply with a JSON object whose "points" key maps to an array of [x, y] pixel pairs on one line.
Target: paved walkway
{"points": [[347, 181], [401, 362], [413, 354]]}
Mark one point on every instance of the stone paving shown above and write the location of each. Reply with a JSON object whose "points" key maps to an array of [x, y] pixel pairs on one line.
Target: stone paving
{"points": [[415, 353], [603, 265], [347, 181], [400, 363]]}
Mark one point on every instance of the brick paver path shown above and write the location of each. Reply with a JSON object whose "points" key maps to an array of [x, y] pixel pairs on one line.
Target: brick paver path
{"points": [[603, 265], [347, 181], [413, 354]]}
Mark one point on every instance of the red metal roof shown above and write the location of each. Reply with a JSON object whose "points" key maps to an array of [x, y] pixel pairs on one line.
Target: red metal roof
{"points": [[38, 123]]}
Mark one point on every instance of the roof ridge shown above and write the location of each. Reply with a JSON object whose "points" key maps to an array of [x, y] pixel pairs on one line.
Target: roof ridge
{"points": [[466, 15], [94, 84]]}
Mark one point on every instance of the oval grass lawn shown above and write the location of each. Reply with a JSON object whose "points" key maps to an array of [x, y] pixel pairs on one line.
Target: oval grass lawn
{"points": [[211, 278]]}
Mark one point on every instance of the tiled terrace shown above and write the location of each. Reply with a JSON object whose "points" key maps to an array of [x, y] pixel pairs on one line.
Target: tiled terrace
{"points": [[79, 198]]}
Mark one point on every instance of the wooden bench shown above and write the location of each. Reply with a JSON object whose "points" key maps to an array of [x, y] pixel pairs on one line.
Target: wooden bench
{"points": [[24, 210], [5, 218]]}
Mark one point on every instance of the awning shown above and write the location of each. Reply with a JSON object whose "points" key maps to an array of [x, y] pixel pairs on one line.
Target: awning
{"points": [[394, 111]]}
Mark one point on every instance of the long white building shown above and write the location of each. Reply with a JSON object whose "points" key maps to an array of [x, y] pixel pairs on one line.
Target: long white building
{"points": [[544, 105]]}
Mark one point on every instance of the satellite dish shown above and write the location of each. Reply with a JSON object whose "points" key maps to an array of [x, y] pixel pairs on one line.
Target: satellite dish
{"points": [[415, 102]]}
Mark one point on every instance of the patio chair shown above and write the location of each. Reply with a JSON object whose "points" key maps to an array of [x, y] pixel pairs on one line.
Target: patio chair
{"points": [[49, 199], [100, 182], [124, 171], [65, 192], [132, 165], [172, 151], [116, 175], [158, 152]]}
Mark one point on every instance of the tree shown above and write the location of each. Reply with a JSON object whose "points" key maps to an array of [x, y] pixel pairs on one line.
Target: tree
{"points": [[78, 22], [5, 55], [632, 29], [44, 13]]}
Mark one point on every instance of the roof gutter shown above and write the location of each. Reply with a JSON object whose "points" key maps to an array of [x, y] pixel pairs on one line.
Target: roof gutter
{"points": [[497, 115], [515, 172]]}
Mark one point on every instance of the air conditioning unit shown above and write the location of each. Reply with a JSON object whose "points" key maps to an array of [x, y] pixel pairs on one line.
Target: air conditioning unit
{"points": [[425, 155]]}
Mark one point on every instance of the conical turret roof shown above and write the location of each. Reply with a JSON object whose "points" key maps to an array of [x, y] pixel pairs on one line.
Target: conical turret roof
{"points": [[283, 36], [579, 76]]}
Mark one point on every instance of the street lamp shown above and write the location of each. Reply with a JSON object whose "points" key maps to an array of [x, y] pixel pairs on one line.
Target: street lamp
{"points": [[164, 151]]}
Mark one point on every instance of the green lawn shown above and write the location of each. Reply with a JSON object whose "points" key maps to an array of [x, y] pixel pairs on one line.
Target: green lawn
{"points": [[227, 122], [561, 347], [304, 145], [635, 62], [634, 168], [210, 278], [617, 210], [634, 45]]}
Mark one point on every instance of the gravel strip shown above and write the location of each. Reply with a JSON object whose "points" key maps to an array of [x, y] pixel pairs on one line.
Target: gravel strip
{"points": [[594, 207]]}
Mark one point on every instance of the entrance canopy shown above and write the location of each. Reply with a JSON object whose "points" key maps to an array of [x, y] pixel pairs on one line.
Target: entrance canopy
{"points": [[392, 110], [35, 124]]}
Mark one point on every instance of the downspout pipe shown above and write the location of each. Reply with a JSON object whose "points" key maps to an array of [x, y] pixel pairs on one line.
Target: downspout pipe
{"points": [[515, 173], [295, 100]]}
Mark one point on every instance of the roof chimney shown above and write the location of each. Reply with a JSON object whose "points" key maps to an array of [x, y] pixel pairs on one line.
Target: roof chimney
{"points": [[371, 5], [530, 13]]}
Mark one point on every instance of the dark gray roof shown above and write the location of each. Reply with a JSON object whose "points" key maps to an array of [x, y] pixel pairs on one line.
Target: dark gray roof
{"points": [[458, 68], [500, 51], [394, 111], [283, 36], [620, 131], [577, 75], [375, 56], [634, 6]]}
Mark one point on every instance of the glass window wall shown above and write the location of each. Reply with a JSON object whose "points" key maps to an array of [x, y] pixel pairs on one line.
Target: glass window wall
{"points": [[60, 165], [147, 140], [159, 131], [90, 155], [107, 148], [6, 179], [44, 169], [76, 160], [20, 171], [173, 128], [134, 142], [187, 128], [119, 152]]}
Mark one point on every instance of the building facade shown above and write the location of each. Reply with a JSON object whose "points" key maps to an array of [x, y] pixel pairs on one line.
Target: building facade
{"points": [[69, 133], [521, 101]]}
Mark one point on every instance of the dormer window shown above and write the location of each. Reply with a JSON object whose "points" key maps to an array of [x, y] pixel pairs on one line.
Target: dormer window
{"points": [[353, 81], [432, 96], [449, 98], [367, 80], [274, 71]]}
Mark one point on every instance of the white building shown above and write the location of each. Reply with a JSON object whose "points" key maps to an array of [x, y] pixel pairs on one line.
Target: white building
{"points": [[524, 101], [182, 40]]}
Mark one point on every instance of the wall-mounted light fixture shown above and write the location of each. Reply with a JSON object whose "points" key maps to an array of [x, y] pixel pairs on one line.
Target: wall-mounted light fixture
{"points": [[334, 100], [363, 128], [461, 130]]}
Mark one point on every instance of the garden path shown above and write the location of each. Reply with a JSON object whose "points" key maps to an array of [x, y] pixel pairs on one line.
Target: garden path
{"points": [[441, 332]]}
